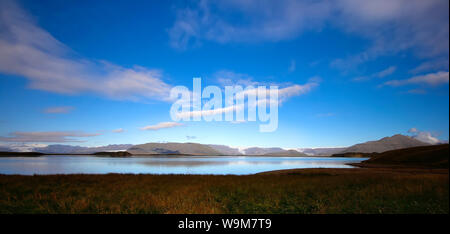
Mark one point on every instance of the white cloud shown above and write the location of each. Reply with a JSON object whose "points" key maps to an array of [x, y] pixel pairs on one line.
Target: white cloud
{"points": [[31, 52], [283, 95], [432, 79], [59, 110], [162, 125], [216, 111], [297, 90], [119, 130], [56, 136], [424, 136]]}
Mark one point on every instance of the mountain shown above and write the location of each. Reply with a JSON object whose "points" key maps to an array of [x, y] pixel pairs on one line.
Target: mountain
{"points": [[20, 147], [434, 156], [321, 151], [274, 151], [287, 153], [261, 151], [173, 148], [385, 144], [226, 150], [69, 149]]}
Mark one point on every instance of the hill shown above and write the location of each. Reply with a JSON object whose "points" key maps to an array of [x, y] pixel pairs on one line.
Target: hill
{"points": [[287, 153], [321, 151], [173, 148], [261, 151], [385, 144], [225, 150], [435, 156]]}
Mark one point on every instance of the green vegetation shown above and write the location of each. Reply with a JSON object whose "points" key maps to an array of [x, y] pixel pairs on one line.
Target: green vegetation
{"points": [[294, 191]]}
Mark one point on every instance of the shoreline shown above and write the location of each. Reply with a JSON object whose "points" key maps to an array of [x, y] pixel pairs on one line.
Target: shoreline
{"points": [[358, 168]]}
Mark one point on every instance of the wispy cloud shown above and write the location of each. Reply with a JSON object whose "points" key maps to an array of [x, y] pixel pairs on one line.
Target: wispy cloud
{"points": [[435, 64], [394, 26], [31, 52], [292, 66], [56, 136], [386, 72], [432, 79], [390, 26], [231, 78], [263, 21], [119, 130], [216, 111], [59, 110], [416, 91], [162, 125], [283, 95], [381, 74]]}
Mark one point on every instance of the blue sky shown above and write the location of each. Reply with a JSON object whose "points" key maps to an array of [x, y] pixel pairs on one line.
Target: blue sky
{"points": [[97, 72]]}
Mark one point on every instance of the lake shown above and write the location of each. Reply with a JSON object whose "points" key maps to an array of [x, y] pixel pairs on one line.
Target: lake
{"points": [[237, 165]]}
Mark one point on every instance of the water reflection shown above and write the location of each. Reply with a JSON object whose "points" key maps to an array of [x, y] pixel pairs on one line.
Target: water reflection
{"points": [[237, 165]]}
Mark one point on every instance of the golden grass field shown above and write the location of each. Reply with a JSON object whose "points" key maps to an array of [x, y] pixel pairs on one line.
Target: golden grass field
{"points": [[364, 190]]}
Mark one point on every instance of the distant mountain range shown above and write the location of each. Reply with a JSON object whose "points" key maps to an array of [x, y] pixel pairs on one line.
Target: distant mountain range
{"points": [[173, 148], [321, 151], [287, 153], [385, 144], [69, 149]]}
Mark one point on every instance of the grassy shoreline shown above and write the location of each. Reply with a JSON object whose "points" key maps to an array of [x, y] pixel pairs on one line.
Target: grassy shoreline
{"points": [[357, 190]]}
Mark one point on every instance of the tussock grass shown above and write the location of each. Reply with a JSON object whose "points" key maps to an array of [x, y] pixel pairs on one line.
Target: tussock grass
{"points": [[314, 192]]}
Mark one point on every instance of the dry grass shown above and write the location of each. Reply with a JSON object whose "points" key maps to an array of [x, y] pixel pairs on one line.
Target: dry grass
{"points": [[305, 191]]}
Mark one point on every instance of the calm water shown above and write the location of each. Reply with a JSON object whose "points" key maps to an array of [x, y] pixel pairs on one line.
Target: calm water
{"points": [[238, 165]]}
